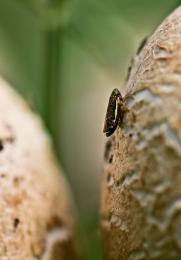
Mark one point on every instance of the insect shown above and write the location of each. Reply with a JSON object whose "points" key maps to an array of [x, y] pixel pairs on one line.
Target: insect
{"points": [[115, 112], [116, 106]]}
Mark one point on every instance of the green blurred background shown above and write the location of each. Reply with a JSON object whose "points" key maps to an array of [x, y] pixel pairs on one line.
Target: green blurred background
{"points": [[64, 57]]}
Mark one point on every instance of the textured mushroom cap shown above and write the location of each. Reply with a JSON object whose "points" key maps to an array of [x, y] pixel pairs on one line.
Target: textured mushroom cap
{"points": [[141, 189], [36, 219]]}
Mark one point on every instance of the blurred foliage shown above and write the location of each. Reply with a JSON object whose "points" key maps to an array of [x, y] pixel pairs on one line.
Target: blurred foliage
{"points": [[65, 56], [51, 13]]}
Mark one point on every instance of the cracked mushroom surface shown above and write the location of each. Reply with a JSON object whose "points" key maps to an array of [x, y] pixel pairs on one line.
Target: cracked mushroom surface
{"points": [[141, 186], [36, 217]]}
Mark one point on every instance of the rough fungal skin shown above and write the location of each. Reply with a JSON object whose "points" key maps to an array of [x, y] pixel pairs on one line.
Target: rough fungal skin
{"points": [[141, 187], [36, 221]]}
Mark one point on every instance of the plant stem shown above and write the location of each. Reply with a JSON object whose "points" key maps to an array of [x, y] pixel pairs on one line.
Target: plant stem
{"points": [[52, 80]]}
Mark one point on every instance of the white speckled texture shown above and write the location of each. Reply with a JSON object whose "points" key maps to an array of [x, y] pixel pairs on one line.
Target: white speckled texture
{"points": [[141, 189], [34, 199]]}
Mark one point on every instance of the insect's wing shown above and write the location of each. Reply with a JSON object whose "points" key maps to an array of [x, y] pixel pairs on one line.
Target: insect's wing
{"points": [[112, 114]]}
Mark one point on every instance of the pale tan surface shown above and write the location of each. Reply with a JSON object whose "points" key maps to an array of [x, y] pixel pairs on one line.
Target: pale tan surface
{"points": [[141, 189], [35, 210]]}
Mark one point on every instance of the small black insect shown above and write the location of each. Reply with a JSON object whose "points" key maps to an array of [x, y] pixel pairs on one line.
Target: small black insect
{"points": [[115, 112]]}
